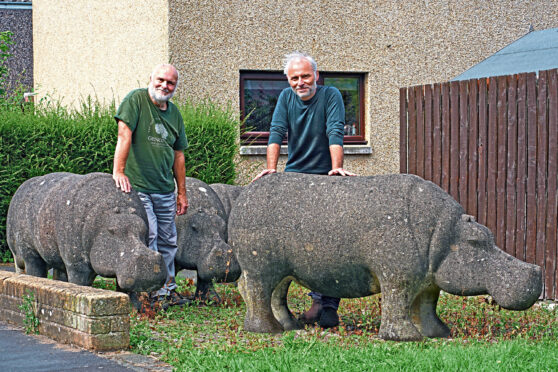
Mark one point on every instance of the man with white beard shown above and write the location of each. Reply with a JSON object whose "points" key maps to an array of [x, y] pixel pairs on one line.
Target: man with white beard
{"points": [[149, 157]]}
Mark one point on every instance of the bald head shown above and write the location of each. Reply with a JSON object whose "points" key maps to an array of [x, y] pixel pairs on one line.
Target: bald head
{"points": [[166, 67]]}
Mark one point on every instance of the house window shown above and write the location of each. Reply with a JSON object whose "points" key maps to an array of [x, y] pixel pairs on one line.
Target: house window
{"points": [[259, 92]]}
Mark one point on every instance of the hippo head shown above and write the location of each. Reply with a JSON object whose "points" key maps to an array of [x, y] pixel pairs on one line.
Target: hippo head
{"points": [[120, 251], [474, 265], [202, 246]]}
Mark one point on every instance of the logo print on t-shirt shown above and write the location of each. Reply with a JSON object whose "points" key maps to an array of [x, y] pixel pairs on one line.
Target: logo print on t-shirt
{"points": [[160, 136], [161, 130]]}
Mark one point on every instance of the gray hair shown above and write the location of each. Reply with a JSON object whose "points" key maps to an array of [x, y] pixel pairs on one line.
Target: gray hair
{"points": [[297, 56], [166, 65]]}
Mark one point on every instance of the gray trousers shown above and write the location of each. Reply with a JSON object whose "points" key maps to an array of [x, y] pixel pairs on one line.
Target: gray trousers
{"points": [[161, 210]]}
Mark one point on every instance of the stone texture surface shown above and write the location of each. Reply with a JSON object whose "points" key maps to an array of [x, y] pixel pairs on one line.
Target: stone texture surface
{"points": [[20, 64], [356, 236], [82, 226], [202, 240], [227, 194], [87, 317]]}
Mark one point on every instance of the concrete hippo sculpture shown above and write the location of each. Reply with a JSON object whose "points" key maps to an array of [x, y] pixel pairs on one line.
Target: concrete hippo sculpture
{"points": [[82, 226], [227, 194], [356, 236], [202, 240]]}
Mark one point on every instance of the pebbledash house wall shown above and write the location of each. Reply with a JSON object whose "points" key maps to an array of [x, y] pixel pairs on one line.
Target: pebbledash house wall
{"points": [[16, 17], [106, 48]]}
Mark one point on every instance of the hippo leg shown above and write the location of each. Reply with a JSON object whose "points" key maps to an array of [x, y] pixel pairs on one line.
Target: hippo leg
{"points": [[19, 264], [396, 322], [80, 274], [257, 296], [205, 292], [280, 309], [34, 264], [58, 274], [139, 300], [424, 314]]}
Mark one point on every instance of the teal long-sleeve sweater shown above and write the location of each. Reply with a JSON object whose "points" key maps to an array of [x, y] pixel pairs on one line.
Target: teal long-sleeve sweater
{"points": [[312, 126]]}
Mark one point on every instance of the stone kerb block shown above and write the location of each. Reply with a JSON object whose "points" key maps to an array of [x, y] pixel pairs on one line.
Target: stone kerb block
{"points": [[83, 316]]}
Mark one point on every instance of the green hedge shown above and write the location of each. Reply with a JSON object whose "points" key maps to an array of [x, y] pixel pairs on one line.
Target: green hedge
{"points": [[54, 139]]}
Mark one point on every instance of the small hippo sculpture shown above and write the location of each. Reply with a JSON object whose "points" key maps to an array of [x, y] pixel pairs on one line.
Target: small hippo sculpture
{"points": [[356, 236], [82, 226], [202, 241]]}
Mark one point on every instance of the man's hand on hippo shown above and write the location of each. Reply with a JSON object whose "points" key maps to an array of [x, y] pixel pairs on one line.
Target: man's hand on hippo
{"points": [[340, 172], [181, 204], [263, 173], [122, 182]]}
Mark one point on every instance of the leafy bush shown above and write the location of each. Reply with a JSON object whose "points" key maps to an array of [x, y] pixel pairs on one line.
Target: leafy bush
{"points": [[212, 141], [50, 138]]}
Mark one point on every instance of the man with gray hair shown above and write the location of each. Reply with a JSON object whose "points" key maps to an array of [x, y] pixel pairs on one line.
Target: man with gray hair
{"points": [[149, 157], [313, 117]]}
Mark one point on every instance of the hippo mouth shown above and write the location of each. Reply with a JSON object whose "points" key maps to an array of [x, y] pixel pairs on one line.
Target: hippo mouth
{"points": [[145, 272], [519, 292]]}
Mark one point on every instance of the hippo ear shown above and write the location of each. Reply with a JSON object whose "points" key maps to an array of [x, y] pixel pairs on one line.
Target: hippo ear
{"points": [[131, 210], [471, 231], [116, 210], [112, 230], [467, 218]]}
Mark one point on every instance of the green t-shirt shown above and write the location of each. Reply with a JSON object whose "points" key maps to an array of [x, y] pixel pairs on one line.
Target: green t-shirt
{"points": [[155, 136]]}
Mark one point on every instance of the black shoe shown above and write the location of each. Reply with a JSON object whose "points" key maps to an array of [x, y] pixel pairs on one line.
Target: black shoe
{"points": [[313, 314], [165, 301], [157, 303], [329, 318], [175, 299]]}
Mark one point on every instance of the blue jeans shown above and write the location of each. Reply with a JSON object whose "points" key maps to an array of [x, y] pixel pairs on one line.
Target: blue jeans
{"points": [[332, 302], [161, 210]]}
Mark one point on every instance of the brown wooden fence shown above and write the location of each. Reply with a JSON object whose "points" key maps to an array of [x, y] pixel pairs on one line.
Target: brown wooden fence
{"points": [[493, 145]]}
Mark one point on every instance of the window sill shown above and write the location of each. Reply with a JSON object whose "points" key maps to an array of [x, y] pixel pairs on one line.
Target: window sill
{"points": [[347, 150]]}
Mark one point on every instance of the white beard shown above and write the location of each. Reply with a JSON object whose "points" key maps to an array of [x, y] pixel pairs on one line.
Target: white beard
{"points": [[158, 96]]}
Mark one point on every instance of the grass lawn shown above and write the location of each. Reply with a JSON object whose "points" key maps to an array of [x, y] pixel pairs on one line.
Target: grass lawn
{"points": [[484, 337]]}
